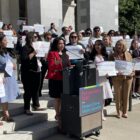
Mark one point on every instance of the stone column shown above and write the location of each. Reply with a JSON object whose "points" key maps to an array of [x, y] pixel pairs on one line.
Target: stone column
{"points": [[69, 13], [103, 13], [33, 11], [83, 14], [14, 12], [4, 11], [9, 11], [51, 11]]}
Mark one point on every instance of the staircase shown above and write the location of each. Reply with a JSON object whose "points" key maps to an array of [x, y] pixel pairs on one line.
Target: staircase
{"points": [[37, 127]]}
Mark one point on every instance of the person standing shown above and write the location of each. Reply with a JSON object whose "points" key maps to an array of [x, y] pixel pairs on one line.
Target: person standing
{"points": [[122, 83], [57, 61], [30, 74], [101, 56], [135, 51], [10, 84]]}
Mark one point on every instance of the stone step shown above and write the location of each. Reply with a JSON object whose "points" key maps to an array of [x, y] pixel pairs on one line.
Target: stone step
{"points": [[35, 132], [42, 130], [23, 121], [15, 109]]}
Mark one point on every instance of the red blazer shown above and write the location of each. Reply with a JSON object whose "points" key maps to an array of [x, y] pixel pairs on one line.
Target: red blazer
{"points": [[54, 70]]}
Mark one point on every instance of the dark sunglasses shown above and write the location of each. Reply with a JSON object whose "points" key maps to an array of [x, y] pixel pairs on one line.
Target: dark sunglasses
{"points": [[35, 36], [88, 33], [97, 31], [73, 36]]}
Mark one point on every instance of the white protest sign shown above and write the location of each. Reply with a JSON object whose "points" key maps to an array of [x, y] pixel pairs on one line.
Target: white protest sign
{"points": [[128, 43], [39, 28], [8, 33], [2, 89], [106, 68], [124, 67], [19, 21], [1, 24], [28, 28], [114, 40], [10, 42], [41, 47], [15, 39], [73, 51], [9, 67], [136, 62], [84, 41]]}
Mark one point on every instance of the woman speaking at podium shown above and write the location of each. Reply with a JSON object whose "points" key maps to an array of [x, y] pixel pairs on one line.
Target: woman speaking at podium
{"points": [[57, 61]]}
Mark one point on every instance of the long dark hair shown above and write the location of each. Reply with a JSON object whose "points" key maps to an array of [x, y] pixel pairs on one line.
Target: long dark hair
{"points": [[29, 38], [2, 49], [103, 49], [55, 44], [131, 47]]}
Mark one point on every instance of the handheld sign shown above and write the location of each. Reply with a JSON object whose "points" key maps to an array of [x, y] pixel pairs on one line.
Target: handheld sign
{"points": [[39, 28], [106, 68], [1, 24], [125, 67], [2, 89], [73, 51], [90, 99], [28, 28], [41, 47]]}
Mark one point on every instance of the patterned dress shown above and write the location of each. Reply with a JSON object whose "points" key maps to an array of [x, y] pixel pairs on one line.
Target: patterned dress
{"points": [[10, 83]]}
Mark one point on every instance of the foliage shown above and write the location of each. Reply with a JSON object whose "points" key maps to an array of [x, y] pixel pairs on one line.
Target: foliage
{"points": [[129, 16]]}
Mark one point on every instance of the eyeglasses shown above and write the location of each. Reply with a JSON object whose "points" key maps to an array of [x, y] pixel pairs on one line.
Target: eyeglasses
{"points": [[73, 37]]}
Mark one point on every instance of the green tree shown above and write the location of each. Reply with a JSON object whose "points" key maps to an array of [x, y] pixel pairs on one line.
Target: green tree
{"points": [[129, 16]]}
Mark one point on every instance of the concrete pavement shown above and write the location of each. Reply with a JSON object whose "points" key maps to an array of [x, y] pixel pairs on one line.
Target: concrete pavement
{"points": [[115, 129]]}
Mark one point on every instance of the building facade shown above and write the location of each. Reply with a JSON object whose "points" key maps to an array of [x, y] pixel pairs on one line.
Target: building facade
{"points": [[80, 14]]}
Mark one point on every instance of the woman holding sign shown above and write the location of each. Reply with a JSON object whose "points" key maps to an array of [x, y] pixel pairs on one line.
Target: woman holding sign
{"points": [[122, 83], [101, 56], [11, 91], [30, 74], [135, 51]]}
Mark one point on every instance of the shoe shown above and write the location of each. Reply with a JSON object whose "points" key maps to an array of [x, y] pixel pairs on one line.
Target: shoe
{"points": [[7, 119], [124, 115], [103, 119], [28, 112], [134, 95], [35, 108], [38, 109], [137, 94], [118, 116]]}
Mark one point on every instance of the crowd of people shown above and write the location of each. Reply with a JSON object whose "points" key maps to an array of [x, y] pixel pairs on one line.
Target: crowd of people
{"points": [[97, 48]]}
